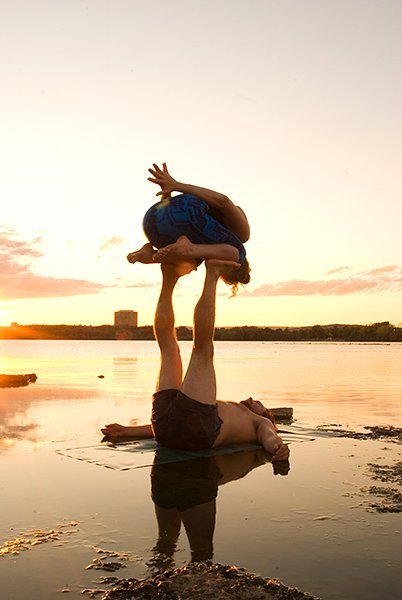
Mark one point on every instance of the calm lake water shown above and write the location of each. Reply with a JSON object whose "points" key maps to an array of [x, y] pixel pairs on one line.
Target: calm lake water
{"points": [[310, 528]]}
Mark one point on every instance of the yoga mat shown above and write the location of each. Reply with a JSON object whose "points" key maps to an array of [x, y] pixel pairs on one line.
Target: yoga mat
{"points": [[145, 453]]}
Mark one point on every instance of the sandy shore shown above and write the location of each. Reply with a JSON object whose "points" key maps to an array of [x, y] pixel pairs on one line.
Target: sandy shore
{"points": [[389, 497], [372, 432]]}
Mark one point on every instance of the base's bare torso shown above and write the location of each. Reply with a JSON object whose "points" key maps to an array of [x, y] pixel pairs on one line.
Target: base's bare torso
{"points": [[239, 424]]}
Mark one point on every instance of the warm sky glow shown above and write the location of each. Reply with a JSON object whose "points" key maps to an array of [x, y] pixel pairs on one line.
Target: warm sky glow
{"points": [[292, 108]]}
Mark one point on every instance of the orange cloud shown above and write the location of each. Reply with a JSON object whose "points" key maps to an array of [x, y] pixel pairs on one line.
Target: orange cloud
{"points": [[338, 270], [370, 281], [111, 243], [17, 280], [9, 242], [380, 270], [29, 285], [142, 284]]}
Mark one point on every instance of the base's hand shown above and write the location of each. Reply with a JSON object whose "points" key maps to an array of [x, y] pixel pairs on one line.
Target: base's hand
{"points": [[163, 178], [282, 453], [114, 430]]}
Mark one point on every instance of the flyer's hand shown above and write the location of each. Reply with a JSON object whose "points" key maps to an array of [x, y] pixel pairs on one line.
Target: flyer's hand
{"points": [[163, 178]]}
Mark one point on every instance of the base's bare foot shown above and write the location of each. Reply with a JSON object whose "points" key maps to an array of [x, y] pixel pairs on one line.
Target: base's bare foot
{"points": [[221, 267], [179, 268], [144, 255], [181, 248]]}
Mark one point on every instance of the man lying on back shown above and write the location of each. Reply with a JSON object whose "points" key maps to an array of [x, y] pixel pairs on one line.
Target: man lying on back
{"points": [[185, 412]]}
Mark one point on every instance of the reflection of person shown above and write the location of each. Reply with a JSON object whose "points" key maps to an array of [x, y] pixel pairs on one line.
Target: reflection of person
{"points": [[185, 412], [185, 492], [195, 225]]}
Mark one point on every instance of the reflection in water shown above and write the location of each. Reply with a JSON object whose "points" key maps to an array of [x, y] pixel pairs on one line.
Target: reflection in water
{"points": [[12, 405], [185, 492], [10, 434], [15, 405], [125, 369], [124, 360]]}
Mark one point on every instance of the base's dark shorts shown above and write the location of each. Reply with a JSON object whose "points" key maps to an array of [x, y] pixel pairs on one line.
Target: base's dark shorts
{"points": [[183, 485], [183, 423]]}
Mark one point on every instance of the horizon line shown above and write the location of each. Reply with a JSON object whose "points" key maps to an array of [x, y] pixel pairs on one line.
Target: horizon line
{"points": [[398, 326]]}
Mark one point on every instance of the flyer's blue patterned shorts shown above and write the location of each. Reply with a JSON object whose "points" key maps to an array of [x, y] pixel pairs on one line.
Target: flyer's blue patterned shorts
{"points": [[186, 215]]}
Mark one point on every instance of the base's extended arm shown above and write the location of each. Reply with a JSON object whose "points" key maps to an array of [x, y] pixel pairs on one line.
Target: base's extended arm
{"points": [[114, 430]]}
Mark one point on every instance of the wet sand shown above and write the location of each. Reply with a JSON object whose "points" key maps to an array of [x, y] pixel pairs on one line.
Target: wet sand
{"points": [[388, 498], [373, 432]]}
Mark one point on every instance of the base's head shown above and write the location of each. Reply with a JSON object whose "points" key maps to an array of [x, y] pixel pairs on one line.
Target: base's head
{"points": [[258, 408], [239, 275]]}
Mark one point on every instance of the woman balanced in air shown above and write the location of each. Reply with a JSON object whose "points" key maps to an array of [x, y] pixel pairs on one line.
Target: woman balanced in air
{"points": [[193, 226]]}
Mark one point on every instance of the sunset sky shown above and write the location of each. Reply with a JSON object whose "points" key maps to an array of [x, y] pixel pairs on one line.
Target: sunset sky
{"points": [[293, 108]]}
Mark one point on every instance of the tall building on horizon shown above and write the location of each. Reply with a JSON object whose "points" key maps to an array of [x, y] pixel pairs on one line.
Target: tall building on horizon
{"points": [[125, 318]]}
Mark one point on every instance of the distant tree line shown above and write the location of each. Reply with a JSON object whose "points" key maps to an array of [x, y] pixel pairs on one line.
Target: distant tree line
{"points": [[377, 332]]}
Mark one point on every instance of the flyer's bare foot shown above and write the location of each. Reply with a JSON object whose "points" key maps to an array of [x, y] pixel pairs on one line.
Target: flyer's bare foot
{"points": [[144, 255], [220, 267], [181, 248]]}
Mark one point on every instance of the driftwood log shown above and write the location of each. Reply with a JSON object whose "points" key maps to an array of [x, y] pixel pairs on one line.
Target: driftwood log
{"points": [[283, 414], [17, 380]]}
